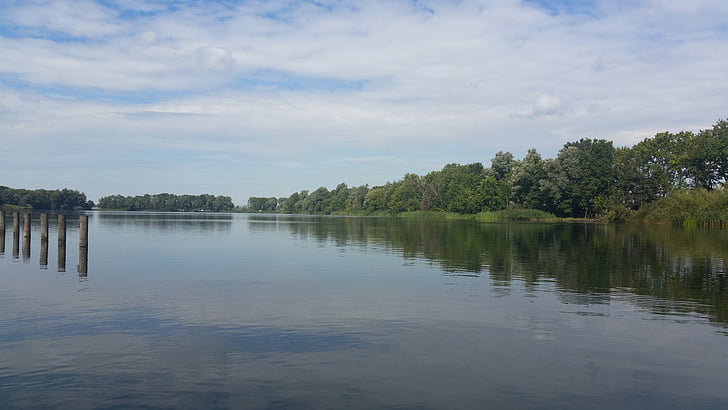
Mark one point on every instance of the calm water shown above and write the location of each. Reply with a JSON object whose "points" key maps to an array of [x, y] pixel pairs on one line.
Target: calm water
{"points": [[239, 311]]}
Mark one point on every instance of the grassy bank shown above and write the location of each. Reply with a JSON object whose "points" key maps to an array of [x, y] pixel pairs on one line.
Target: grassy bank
{"points": [[518, 215], [12, 208], [693, 208]]}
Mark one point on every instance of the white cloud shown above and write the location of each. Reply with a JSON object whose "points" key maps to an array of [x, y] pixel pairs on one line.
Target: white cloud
{"points": [[215, 59], [81, 18], [278, 80], [545, 104]]}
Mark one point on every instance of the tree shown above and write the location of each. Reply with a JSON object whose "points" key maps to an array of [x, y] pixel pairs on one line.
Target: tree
{"points": [[316, 201], [337, 198], [261, 204], [378, 198], [502, 164], [355, 201], [580, 178], [406, 194], [42, 199], [525, 178], [706, 157]]}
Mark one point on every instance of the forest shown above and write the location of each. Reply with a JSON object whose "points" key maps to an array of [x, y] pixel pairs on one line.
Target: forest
{"points": [[168, 202], [589, 178], [58, 199]]}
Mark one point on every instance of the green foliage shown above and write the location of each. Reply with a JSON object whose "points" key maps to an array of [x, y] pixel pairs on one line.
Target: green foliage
{"points": [[260, 204], [526, 178], [433, 215], [517, 214], [582, 173], [689, 208], [502, 164], [168, 202], [43, 199]]}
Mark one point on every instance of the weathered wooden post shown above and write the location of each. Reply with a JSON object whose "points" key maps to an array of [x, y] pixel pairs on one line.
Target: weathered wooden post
{"points": [[61, 228], [83, 231], [44, 254], [2, 232], [16, 223], [26, 225], [44, 240], [44, 227], [83, 246], [82, 262], [61, 243], [16, 234], [26, 236]]}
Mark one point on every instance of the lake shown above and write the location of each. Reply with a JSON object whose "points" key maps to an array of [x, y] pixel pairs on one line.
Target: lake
{"points": [[276, 311]]}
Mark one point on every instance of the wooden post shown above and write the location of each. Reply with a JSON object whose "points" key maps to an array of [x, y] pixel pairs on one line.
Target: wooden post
{"points": [[83, 246], [82, 262], [16, 223], [2, 232], [83, 232], [44, 253], [26, 236], [43, 227], [44, 240], [26, 225], [16, 234], [26, 248], [61, 243], [62, 229]]}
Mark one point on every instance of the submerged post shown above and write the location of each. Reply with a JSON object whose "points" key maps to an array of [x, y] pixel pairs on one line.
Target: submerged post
{"points": [[83, 231], [26, 236], [43, 227], [26, 225], [82, 262], [62, 228], [44, 253], [61, 243], [83, 246], [16, 234], [2, 232]]}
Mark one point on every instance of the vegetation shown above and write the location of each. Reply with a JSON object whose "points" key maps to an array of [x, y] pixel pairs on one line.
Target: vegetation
{"points": [[43, 199], [516, 214], [168, 202], [691, 208], [589, 178]]}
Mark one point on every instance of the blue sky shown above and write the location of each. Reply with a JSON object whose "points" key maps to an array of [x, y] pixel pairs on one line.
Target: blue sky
{"points": [[264, 98]]}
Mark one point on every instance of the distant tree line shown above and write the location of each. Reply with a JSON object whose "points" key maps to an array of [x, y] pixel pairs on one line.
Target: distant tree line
{"points": [[588, 178], [168, 202], [43, 199]]}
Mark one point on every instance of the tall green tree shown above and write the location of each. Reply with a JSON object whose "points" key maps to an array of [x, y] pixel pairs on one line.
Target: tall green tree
{"points": [[502, 164], [407, 195], [526, 177], [580, 178]]}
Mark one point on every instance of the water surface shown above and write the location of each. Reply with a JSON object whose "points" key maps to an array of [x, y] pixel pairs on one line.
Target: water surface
{"points": [[273, 311]]}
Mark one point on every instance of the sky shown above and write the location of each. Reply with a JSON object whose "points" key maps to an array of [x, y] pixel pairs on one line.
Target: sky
{"points": [[266, 98]]}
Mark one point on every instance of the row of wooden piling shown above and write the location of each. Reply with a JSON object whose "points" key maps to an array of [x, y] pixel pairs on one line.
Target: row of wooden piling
{"points": [[82, 246]]}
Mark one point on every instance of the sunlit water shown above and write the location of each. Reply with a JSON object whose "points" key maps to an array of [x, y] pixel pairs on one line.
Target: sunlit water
{"points": [[264, 311]]}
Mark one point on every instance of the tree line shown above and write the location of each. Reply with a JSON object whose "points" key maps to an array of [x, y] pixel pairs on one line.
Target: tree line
{"points": [[44, 199], [588, 178], [168, 203]]}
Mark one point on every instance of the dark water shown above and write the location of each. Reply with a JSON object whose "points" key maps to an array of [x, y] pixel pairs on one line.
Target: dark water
{"points": [[238, 311]]}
